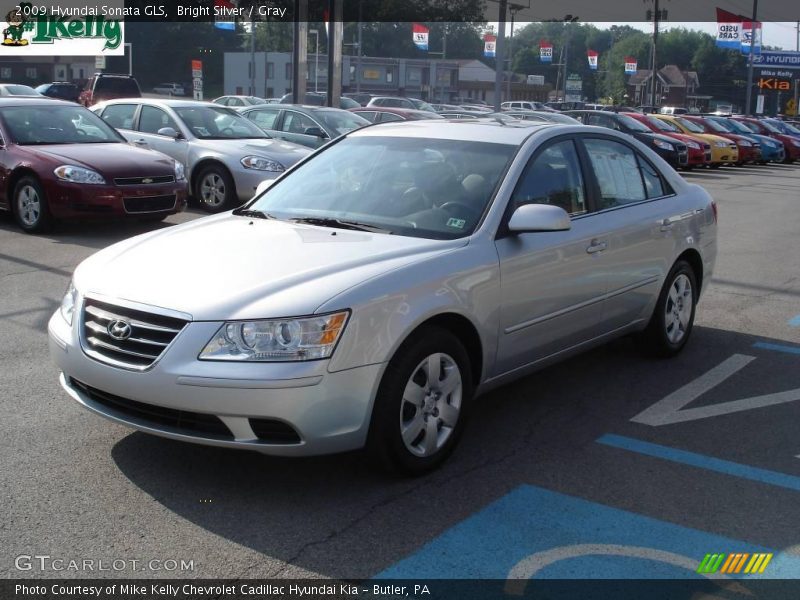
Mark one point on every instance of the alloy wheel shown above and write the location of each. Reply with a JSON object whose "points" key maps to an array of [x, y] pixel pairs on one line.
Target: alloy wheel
{"points": [[29, 205], [212, 189], [678, 308]]}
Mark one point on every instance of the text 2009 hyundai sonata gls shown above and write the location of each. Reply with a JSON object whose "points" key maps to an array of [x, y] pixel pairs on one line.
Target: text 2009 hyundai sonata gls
{"points": [[376, 288]]}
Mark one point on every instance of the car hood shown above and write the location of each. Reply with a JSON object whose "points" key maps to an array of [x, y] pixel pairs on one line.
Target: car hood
{"points": [[115, 160], [285, 153], [229, 267]]}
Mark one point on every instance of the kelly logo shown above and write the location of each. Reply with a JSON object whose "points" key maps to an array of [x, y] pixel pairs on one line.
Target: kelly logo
{"points": [[734, 563], [45, 28]]}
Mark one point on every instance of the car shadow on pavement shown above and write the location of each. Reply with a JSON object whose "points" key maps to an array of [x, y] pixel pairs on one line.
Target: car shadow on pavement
{"points": [[337, 516]]}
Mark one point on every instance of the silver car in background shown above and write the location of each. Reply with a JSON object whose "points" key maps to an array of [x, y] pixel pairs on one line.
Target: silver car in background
{"points": [[225, 155], [368, 295]]}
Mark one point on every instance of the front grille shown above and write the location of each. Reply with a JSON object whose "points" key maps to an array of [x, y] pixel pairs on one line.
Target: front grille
{"points": [[144, 180], [271, 431], [159, 417], [148, 204], [149, 334]]}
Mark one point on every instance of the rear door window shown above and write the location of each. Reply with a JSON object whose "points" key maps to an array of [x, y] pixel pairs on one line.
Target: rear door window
{"points": [[152, 119], [617, 171], [120, 116], [119, 86]]}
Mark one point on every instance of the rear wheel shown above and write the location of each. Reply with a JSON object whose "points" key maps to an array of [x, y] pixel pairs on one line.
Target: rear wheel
{"points": [[673, 318], [30, 206], [215, 189], [422, 403]]}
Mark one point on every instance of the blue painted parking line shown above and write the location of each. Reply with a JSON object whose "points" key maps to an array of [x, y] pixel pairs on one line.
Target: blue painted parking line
{"points": [[535, 533], [702, 461], [777, 347], [794, 321]]}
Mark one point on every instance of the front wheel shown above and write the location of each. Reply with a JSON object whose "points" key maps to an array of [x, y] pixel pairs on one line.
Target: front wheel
{"points": [[30, 206], [215, 189], [673, 318], [422, 402]]}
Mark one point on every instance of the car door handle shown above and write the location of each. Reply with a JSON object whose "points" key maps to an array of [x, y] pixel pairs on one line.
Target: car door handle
{"points": [[667, 224], [596, 246]]}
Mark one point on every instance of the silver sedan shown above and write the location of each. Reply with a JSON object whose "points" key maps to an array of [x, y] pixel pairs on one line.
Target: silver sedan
{"points": [[372, 292], [225, 155]]}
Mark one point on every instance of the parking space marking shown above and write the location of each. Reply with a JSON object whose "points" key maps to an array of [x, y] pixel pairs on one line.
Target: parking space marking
{"points": [[777, 347], [671, 409], [702, 461], [794, 321], [534, 532]]}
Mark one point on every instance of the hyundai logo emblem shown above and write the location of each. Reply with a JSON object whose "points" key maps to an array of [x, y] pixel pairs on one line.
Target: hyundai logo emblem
{"points": [[119, 329]]}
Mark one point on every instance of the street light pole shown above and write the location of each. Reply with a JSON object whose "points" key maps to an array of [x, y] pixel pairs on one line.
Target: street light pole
{"points": [[749, 94], [654, 71]]}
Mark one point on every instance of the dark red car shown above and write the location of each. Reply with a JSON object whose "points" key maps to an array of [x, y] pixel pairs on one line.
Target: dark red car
{"points": [[62, 161], [760, 127], [749, 151], [384, 114], [699, 151]]}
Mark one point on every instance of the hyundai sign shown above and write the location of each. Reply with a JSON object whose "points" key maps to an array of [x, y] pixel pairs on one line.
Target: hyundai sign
{"points": [[783, 60]]}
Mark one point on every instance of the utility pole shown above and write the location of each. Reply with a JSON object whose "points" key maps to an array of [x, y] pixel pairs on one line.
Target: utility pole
{"points": [[654, 71], [252, 57], [513, 8], [797, 79], [749, 94], [358, 58], [499, 56]]}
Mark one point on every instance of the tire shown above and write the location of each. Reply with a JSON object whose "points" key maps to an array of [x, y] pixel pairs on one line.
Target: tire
{"points": [[715, 165], [215, 190], [406, 402], [671, 325], [29, 205]]}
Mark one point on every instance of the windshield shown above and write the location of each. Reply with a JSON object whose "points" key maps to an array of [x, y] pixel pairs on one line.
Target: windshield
{"points": [[41, 125], [693, 127], [256, 100], [769, 127], [429, 188], [739, 127], [720, 126], [633, 124], [122, 86], [20, 90], [218, 123], [789, 128], [341, 122], [422, 105], [663, 125]]}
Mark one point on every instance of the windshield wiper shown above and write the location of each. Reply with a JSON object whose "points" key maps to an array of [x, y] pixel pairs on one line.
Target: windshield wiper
{"points": [[255, 214], [340, 223]]}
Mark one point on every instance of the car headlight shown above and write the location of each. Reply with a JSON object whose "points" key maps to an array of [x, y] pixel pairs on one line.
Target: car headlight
{"points": [[693, 145], [262, 164], [180, 171], [68, 302], [293, 339], [663, 145], [75, 174], [720, 144], [744, 143]]}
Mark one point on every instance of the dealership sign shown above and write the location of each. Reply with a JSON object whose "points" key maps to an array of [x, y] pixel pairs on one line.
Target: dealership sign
{"points": [[778, 60], [34, 31]]}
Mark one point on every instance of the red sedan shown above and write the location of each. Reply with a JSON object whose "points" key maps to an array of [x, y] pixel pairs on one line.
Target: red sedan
{"points": [[61, 161], [790, 144], [749, 151], [699, 151]]}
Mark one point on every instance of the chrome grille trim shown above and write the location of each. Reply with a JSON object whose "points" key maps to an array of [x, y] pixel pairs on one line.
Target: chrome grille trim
{"points": [[151, 333]]}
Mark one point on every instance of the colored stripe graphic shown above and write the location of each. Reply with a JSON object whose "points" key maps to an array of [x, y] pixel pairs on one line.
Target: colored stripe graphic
{"points": [[733, 563], [711, 563]]}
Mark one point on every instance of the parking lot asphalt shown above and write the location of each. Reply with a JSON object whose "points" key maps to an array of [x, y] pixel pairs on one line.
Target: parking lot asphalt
{"points": [[656, 462]]}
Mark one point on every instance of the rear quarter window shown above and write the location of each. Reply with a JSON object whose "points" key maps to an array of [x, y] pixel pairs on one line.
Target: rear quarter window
{"points": [[117, 85]]}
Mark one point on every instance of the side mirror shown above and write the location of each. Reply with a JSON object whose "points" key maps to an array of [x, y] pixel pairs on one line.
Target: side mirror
{"points": [[263, 186], [315, 131], [169, 132], [539, 217]]}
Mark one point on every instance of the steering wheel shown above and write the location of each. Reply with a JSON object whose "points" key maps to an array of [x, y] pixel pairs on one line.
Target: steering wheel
{"points": [[227, 131], [80, 132], [453, 207]]}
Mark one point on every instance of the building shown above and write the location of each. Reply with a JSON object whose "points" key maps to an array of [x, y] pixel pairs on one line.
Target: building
{"points": [[674, 87], [430, 79], [35, 70]]}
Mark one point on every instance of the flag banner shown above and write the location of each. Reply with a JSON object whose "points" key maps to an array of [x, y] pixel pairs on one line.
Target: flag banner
{"points": [[751, 36], [489, 45], [545, 51], [630, 65], [592, 56], [729, 29], [222, 8], [420, 36]]}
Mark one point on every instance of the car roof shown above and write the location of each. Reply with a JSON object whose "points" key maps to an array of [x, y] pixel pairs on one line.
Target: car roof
{"points": [[485, 130], [172, 103], [32, 101]]}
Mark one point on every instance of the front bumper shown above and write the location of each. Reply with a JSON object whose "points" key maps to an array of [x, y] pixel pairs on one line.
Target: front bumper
{"points": [[72, 200], [247, 180], [328, 412]]}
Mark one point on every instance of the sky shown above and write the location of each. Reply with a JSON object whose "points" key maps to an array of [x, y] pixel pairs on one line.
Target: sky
{"points": [[778, 34]]}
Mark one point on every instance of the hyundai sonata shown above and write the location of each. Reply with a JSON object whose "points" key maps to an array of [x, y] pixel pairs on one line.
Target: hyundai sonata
{"points": [[376, 288]]}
